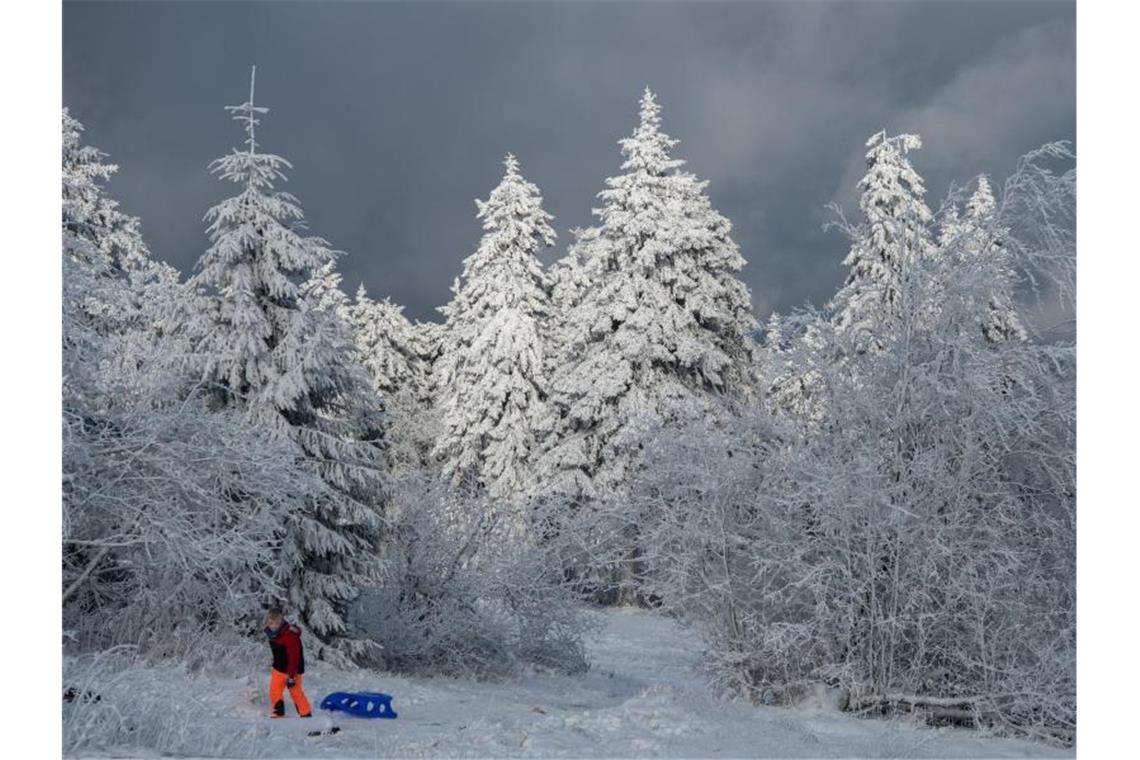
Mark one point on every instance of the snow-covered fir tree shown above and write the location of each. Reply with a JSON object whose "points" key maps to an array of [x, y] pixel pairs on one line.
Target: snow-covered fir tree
{"points": [[658, 324], [268, 350], [102, 246], [90, 214], [569, 281], [323, 290], [91, 292], [334, 312], [790, 367], [979, 234], [393, 352], [894, 232], [491, 376], [388, 343]]}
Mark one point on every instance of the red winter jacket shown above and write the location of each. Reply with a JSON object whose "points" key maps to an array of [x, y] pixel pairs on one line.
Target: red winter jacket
{"points": [[288, 652]]}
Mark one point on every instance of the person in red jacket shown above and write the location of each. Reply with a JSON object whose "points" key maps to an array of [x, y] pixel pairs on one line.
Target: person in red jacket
{"points": [[288, 664]]}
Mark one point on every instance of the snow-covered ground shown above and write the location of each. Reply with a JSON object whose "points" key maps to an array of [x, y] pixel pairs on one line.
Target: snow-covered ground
{"points": [[641, 697]]}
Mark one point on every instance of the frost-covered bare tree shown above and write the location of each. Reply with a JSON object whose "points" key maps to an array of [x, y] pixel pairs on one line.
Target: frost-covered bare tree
{"points": [[491, 376], [916, 547], [270, 351], [169, 513]]}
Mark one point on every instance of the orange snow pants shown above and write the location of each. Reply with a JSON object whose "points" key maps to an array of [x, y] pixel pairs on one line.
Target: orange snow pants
{"points": [[277, 681]]}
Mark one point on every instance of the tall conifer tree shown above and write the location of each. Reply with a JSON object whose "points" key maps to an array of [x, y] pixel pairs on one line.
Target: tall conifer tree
{"points": [[393, 352], [979, 234], [272, 352], [894, 233], [491, 373], [658, 321]]}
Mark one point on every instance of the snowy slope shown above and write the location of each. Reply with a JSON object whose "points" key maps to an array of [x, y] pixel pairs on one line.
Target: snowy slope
{"points": [[642, 697]]}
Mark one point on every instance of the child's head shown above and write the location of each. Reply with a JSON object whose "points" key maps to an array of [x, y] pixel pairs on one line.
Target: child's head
{"points": [[274, 617]]}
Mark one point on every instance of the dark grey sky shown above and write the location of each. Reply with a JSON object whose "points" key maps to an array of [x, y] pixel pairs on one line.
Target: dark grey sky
{"points": [[397, 115]]}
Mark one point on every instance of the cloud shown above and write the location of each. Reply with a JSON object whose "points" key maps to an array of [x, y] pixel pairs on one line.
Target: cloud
{"points": [[397, 115], [1012, 100]]}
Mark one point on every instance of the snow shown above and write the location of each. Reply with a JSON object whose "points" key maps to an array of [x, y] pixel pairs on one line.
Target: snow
{"points": [[643, 696]]}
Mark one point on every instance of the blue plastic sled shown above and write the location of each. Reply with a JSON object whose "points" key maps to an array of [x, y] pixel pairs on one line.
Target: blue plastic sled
{"points": [[363, 704]]}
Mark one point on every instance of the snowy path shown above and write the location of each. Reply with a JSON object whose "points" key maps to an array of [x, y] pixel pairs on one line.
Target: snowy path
{"points": [[640, 698]]}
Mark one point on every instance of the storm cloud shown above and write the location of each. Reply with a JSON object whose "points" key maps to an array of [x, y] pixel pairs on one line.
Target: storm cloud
{"points": [[396, 116]]}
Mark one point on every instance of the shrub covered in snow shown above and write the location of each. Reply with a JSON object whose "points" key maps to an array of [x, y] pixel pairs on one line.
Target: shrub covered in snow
{"points": [[171, 517], [912, 539], [463, 592]]}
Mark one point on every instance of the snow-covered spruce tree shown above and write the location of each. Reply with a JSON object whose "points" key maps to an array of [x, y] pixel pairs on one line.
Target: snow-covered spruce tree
{"points": [[569, 280], [115, 296], [791, 365], [388, 343], [658, 332], [322, 290], [107, 264], [91, 289], [491, 374], [562, 460], [393, 352], [894, 233], [977, 234], [333, 313], [658, 324], [267, 350], [89, 214]]}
